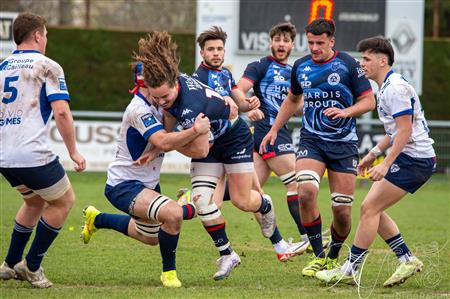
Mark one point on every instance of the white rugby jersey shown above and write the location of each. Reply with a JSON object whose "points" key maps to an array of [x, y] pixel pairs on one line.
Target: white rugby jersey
{"points": [[29, 82], [139, 122], [397, 97]]}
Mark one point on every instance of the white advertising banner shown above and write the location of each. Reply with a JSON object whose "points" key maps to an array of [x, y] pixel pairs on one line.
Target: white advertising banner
{"points": [[97, 142], [6, 33]]}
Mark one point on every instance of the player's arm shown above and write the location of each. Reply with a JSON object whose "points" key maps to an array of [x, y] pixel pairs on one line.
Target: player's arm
{"points": [[174, 140], [364, 103], [64, 123], [197, 149], [244, 103], [244, 85]]}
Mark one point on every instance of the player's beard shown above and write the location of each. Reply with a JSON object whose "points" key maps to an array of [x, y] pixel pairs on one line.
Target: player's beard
{"points": [[210, 64], [286, 55]]}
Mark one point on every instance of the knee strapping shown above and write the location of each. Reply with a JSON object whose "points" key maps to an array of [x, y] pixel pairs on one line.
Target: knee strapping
{"points": [[308, 177], [148, 229], [338, 199], [202, 192], [288, 178], [155, 207]]}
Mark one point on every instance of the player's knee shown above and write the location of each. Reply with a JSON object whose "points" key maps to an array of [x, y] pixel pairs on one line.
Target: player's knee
{"points": [[289, 180], [307, 195], [152, 241], [308, 179], [342, 215], [242, 204], [173, 216], [367, 209], [202, 193]]}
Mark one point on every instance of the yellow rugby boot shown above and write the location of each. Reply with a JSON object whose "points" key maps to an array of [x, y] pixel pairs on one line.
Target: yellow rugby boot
{"points": [[89, 213]]}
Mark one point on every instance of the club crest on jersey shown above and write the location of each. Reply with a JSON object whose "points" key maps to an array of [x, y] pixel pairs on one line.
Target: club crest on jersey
{"points": [[148, 120], [334, 79], [62, 84], [335, 66]]}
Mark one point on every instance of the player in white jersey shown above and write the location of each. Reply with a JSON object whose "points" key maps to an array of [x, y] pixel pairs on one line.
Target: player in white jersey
{"points": [[33, 88], [133, 186], [407, 166]]}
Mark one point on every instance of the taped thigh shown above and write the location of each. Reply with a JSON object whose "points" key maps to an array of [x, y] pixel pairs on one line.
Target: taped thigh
{"points": [[202, 195], [308, 177], [339, 199], [155, 207], [207, 169], [288, 178], [244, 167], [147, 229], [55, 191], [25, 191]]}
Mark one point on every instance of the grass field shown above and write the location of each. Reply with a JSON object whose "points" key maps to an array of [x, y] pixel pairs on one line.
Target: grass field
{"points": [[117, 267]]}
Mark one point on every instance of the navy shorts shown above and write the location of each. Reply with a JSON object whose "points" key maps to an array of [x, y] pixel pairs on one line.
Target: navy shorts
{"points": [[235, 146], [123, 195], [338, 156], [35, 178], [283, 144], [410, 173]]}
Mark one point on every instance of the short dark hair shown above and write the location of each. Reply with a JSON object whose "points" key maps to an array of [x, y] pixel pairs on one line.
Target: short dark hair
{"points": [[25, 25], [212, 33], [320, 26], [283, 28], [377, 44]]}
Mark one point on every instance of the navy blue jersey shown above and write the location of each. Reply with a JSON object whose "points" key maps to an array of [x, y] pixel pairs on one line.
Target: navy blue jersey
{"points": [[271, 82], [337, 82], [193, 98], [220, 80]]}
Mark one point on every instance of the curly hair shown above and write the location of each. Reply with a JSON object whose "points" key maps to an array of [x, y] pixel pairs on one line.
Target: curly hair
{"points": [[283, 28], [212, 33], [158, 55]]}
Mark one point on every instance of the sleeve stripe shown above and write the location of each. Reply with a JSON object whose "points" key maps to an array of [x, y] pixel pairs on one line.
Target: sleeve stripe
{"points": [[153, 130], [58, 96], [404, 112], [234, 87], [247, 78], [365, 92]]}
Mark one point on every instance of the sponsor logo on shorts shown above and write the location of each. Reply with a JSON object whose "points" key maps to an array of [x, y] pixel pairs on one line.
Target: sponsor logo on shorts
{"points": [[394, 168], [303, 153], [241, 155], [287, 147]]}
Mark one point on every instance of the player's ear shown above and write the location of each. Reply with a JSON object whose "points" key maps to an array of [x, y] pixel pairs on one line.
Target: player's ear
{"points": [[332, 41]]}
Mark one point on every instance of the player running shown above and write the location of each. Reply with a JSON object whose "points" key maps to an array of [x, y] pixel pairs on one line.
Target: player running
{"points": [[331, 90], [183, 98], [33, 88], [408, 165], [133, 179]]}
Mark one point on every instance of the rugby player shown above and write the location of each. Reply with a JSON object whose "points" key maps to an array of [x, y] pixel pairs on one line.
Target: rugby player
{"points": [[408, 165], [331, 89], [33, 90]]}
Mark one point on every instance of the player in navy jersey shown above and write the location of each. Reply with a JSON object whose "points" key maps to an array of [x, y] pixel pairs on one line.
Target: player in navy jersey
{"points": [[270, 78], [331, 89], [408, 165], [32, 90], [212, 73], [133, 186], [183, 98]]}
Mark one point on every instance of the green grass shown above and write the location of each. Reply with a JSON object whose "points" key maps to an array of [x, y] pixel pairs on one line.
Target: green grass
{"points": [[117, 267]]}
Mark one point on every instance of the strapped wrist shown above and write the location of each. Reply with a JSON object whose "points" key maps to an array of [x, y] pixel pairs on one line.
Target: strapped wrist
{"points": [[376, 151]]}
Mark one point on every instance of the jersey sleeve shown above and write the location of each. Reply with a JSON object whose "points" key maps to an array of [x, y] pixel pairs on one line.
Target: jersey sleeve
{"points": [[251, 72], [232, 82], [360, 84], [55, 83], [402, 100], [296, 89], [145, 122]]}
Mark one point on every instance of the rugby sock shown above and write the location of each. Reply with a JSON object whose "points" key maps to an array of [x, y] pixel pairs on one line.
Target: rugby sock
{"points": [[116, 222], [19, 239], [226, 194], [168, 247], [45, 235], [314, 230], [293, 205], [265, 206], [188, 211], [276, 237], [219, 236], [336, 243], [399, 247], [354, 260]]}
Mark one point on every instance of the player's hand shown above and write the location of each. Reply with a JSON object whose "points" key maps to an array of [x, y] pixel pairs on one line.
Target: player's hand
{"points": [[234, 109], [270, 138], [255, 115], [146, 158], [335, 112], [378, 172], [201, 124], [253, 102], [365, 163], [80, 162]]}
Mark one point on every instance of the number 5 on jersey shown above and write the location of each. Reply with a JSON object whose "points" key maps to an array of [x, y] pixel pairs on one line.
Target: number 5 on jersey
{"points": [[9, 88]]}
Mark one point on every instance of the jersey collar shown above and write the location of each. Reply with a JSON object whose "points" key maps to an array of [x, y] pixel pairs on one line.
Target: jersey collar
{"points": [[388, 74], [273, 59], [25, 51], [142, 97], [203, 65], [332, 57]]}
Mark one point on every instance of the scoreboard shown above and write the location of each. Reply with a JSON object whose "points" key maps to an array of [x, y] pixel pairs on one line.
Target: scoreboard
{"points": [[355, 20]]}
